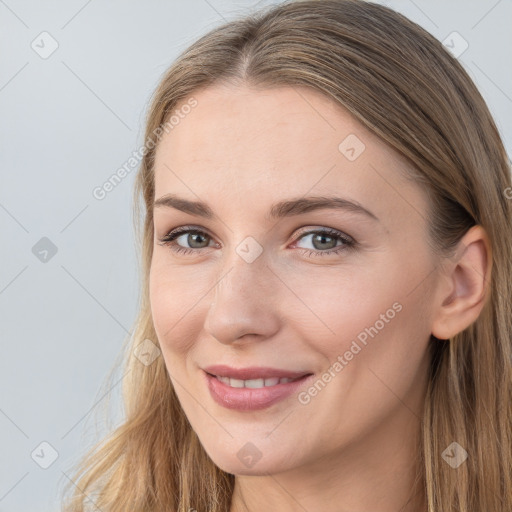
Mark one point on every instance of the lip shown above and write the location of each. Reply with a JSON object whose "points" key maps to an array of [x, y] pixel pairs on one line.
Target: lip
{"points": [[252, 372], [252, 399]]}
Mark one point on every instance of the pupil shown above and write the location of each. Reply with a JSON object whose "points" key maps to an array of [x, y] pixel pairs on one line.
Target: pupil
{"points": [[193, 238], [323, 237]]}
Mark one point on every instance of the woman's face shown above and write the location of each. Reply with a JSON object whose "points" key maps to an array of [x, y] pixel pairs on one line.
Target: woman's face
{"points": [[267, 286]]}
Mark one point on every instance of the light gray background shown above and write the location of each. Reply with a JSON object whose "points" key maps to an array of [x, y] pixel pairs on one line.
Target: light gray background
{"points": [[68, 122]]}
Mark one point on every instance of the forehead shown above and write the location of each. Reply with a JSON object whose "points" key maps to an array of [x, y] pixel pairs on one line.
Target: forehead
{"points": [[228, 121], [275, 143]]}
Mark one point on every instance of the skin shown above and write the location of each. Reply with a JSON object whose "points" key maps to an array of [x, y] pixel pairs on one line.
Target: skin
{"points": [[354, 446]]}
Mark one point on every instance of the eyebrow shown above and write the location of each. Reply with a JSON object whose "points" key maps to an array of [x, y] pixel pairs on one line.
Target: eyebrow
{"points": [[279, 210]]}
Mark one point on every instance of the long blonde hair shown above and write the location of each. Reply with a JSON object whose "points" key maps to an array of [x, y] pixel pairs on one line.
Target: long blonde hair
{"points": [[401, 83]]}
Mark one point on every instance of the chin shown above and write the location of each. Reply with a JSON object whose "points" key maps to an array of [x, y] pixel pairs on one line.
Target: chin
{"points": [[250, 461]]}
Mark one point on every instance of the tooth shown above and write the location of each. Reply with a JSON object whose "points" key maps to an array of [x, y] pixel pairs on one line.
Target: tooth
{"points": [[254, 383]]}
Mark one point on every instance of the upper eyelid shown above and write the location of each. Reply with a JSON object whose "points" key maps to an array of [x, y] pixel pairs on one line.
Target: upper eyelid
{"points": [[303, 231]]}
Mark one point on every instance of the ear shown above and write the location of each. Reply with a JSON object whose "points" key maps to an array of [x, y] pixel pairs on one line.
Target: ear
{"points": [[464, 285]]}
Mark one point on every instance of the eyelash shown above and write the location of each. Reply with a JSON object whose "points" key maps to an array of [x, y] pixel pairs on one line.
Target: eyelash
{"points": [[348, 243]]}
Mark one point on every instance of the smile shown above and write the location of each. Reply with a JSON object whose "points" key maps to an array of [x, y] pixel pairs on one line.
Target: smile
{"points": [[252, 394]]}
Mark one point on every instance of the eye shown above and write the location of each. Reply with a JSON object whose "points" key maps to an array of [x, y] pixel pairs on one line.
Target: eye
{"points": [[195, 237], [321, 239], [327, 238]]}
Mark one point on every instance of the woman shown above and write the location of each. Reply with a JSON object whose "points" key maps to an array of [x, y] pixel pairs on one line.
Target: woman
{"points": [[267, 372]]}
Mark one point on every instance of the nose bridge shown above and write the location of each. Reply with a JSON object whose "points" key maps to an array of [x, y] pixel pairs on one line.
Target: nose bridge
{"points": [[240, 303], [243, 270]]}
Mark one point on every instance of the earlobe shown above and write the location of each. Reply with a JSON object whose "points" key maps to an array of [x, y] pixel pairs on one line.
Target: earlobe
{"points": [[465, 286]]}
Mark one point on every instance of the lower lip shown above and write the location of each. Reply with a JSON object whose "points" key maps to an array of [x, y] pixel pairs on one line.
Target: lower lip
{"points": [[251, 399]]}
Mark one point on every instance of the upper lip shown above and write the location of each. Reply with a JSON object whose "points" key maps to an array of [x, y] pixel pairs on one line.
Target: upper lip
{"points": [[252, 372]]}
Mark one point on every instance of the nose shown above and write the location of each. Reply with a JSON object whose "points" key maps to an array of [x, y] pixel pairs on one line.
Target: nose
{"points": [[244, 302]]}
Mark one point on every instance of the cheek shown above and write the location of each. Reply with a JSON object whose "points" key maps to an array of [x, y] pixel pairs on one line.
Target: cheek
{"points": [[353, 310], [330, 307], [334, 306], [177, 298]]}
